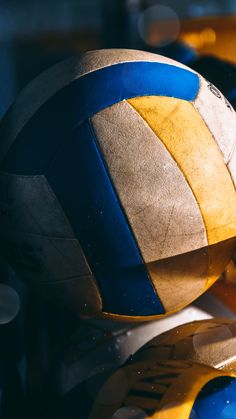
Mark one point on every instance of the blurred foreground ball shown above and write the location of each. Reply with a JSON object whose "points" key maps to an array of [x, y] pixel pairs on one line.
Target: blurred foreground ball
{"points": [[104, 345], [168, 390], [117, 184], [152, 389]]}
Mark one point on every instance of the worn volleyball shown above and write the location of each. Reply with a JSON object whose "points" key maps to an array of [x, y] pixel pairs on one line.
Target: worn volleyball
{"points": [[117, 184]]}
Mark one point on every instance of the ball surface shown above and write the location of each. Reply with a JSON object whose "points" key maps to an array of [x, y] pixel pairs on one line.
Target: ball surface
{"points": [[117, 184], [210, 342], [166, 390], [104, 345]]}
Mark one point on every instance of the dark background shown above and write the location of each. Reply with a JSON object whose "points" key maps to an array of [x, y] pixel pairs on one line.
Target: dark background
{"points": [[35, 34]]}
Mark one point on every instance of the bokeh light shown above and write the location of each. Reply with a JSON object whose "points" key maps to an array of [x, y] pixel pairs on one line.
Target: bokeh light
{"points": [[129, 412], [159, 26], [9, 304], [204, 38]]}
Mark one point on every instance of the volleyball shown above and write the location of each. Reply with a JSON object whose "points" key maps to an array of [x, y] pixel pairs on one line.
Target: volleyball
{"points": [[117, 179], [166, 390]]}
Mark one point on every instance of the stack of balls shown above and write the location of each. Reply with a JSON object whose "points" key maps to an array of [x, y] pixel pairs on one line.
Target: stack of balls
{"points": [[117, 179]]}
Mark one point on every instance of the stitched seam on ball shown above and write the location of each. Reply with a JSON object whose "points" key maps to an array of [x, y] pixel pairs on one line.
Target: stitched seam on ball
{"points": [[177, 166], [124, 212], [208, 256]]}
